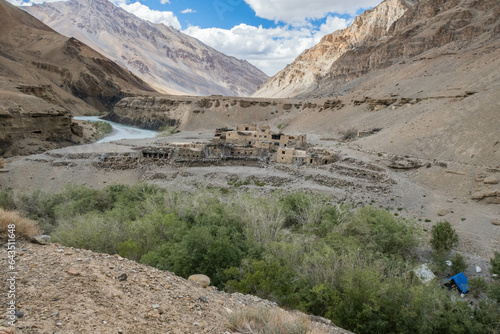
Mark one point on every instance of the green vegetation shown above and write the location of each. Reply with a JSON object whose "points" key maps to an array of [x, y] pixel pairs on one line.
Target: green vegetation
{"points": [[7, 200], [495, 264], [103, 128], [350, 265], [444, 238], [281, 126], [166, 131]]}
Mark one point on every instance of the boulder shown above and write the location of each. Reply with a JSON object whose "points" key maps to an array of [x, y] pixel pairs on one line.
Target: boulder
{"points": [[491, 180], [495, 222], [202, 280], [41, 239], [443, 212]]}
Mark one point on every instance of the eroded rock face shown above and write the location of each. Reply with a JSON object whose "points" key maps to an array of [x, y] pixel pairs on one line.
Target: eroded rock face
{"points": [[316, 62], [394, 32], [200, 112], [45, 78]]}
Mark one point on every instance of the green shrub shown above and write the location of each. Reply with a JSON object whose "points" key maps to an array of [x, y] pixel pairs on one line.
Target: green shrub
{"points": [[381, 231], [477, 285], [131, 249], [103, 128], [444, 238], [7, 200], [40, 206], [93, 231], [495, 264], [458, 264]]}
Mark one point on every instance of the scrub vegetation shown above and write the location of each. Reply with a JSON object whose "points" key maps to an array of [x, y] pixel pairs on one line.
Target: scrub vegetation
{"points": [[353, 266]]}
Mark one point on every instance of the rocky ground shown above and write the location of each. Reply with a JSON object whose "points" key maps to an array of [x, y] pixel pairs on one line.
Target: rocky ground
{"points": [[66, 290]]}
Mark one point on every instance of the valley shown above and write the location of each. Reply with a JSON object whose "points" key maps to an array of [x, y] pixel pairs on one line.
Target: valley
{"points": [[321, 189]]}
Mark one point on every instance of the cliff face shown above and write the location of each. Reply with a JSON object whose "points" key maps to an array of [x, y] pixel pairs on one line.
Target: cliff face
{"points": [[396, 31], [46, 77], [196, 113], [169, 60], [314, 63]]}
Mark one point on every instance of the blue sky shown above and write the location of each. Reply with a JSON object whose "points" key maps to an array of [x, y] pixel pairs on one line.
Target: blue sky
{"points": [[268, 33]]}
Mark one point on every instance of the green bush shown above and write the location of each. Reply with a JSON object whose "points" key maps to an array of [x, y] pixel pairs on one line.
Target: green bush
{"points": [[495, 264], [7, 200], [297, 249], [103, 128], [477, 286], [458, 264], [444, 238]]}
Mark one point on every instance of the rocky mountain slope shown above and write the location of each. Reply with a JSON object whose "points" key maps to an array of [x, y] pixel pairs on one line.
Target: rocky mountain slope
{"points": [[67, 290], [45, 77], [169, 60], [395, 32], [304, 73]]}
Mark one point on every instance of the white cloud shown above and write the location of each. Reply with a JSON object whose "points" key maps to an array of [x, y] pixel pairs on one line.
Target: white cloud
{"points": [[164, 2], [188, 10], [296, 12], [268, 49], [146, 13]]}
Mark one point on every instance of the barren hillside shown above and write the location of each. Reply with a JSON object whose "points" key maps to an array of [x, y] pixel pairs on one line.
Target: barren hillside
{"points": [[169, 60], [45, 77]]}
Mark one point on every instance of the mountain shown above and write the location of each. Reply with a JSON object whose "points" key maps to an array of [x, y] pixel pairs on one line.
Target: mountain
{"points": [[45, 78], [169, 60], [395, 32]]}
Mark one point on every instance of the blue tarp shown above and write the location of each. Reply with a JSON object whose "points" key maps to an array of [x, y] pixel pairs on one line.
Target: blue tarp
{"points": [[460, 281]]}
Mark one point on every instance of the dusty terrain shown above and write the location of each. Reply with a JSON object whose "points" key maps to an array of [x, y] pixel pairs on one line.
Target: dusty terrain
{"points": [[66, 290]]}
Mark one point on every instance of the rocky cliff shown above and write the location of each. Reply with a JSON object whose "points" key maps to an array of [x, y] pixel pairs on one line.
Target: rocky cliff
{"points": [[397, 31], [169, 60], [45, 77]]}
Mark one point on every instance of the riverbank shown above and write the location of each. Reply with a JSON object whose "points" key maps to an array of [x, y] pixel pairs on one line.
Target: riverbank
{"points": [[120, 131]]}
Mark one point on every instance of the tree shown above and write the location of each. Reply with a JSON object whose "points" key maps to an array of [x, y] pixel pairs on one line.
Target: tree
{"points": [[444, 238]]}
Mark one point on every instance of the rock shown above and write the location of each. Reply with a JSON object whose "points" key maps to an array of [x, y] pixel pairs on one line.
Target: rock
{"points": [[478, 269], [478, 195], [321, 320], [19, 314], [122, 277], [74, 272], [5, 330], [495, 222], [41, 239], [405, 163], [443, 212], [155, 306], [202, 280], [491, 180], [203, 299]]}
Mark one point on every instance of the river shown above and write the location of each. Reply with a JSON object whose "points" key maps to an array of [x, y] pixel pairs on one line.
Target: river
{"points": [[120, 131]]}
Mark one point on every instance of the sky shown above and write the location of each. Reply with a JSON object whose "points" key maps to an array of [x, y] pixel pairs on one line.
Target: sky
{"points": [[268, 33]]}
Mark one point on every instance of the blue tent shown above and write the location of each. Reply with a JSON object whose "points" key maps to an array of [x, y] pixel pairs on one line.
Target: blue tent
{"points": [[460, 281]]}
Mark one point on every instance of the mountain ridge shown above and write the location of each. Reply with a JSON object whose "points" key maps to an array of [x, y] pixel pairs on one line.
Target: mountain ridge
{"points": [[45, 78], [411, 28], [169, 60]]}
